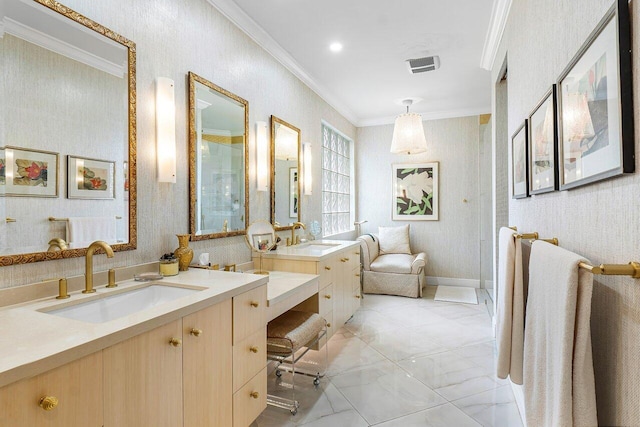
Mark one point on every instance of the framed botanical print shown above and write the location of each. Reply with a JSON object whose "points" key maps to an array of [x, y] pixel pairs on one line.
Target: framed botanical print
{"points": [[415, 191], [90, 178], [543, 168], [596, 137], [519, 175], [28, 173]]}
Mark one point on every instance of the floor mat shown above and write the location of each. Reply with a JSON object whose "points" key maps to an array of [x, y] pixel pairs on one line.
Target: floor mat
{"points": [[456, 294]]}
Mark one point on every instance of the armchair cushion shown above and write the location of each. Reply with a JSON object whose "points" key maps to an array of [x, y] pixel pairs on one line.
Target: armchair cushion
{"points": [[393, 263], [394, 240]]}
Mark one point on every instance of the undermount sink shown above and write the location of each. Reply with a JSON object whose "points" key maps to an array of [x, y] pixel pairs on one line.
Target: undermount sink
{"points": [[317, 246], [122, 304]]}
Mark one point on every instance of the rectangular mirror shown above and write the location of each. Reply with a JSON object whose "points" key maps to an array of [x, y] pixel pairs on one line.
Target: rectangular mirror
{"points": [[67, 133], [285, 167], [218, 161]]}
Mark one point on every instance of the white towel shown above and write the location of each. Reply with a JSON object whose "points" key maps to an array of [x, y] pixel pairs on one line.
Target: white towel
{"points": [[510, 308], [559, 386], [81, 231]]}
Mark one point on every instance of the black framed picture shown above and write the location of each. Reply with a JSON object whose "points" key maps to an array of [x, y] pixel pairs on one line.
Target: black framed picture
{"points": [[519, 164], [595, 105], [543, 145]]}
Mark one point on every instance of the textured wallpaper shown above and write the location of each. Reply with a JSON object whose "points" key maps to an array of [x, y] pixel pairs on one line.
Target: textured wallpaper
{"points": [[452, 244], [598, 221], [172, 38]]}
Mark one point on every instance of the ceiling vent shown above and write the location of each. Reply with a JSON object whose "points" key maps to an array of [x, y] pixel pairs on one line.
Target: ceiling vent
{"points": [[421, 65]]}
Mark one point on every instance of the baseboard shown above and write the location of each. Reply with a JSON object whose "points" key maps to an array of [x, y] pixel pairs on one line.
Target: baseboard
{"points": [[452, 281], [518, 393]]}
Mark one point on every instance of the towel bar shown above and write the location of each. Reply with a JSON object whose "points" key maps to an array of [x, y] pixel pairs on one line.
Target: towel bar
{"points": [[632, 269]]}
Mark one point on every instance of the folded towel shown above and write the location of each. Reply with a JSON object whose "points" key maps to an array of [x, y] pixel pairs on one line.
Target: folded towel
{"points": [[81, 231], [559, 386], [510, 307]]}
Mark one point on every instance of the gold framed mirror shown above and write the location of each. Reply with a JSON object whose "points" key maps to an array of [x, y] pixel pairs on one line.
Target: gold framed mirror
{"points": [[218, 161], [68, 129], [285, 174]]}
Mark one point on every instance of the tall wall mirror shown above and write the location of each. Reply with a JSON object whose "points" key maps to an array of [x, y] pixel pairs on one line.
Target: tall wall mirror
{"points": [[67, 134], [218, 161], [285, 167]]}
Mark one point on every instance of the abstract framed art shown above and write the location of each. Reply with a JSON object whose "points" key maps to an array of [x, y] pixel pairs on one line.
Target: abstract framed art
{"points": [[543, 143], [90, 178], [415, 192], [519, 165], [595, 105], [29, 173]]}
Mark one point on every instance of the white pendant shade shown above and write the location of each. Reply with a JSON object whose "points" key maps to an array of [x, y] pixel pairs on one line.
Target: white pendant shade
{"points": [[408, 135]]}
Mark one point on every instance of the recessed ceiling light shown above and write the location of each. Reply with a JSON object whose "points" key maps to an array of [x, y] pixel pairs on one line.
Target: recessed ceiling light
{"points": [[335, 47]]}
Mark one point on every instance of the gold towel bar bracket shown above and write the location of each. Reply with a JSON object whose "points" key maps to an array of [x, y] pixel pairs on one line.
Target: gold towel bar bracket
{"points": [[632, 269]]}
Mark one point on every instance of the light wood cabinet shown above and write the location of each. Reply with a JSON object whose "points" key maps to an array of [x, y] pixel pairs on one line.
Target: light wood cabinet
{"points": [[206, 361], [143, 379], [76, 386]]}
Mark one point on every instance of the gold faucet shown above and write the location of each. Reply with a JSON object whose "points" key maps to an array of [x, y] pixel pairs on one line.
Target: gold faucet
{"points": [[88, 274], [293, 231]]}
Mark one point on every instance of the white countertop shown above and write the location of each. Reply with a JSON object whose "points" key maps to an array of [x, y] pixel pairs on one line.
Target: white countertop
{"points": [[283, 284], [33, 342], [314, 250]]}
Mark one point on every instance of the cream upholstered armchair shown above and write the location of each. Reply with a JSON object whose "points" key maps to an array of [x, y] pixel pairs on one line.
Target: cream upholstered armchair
{"points": [[388, 265]]}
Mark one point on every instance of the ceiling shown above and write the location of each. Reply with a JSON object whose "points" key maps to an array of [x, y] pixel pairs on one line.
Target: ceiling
{"points": [[367, 80]]}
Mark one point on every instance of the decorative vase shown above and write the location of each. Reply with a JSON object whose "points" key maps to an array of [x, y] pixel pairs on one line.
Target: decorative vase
{"points": [[184, 253]]}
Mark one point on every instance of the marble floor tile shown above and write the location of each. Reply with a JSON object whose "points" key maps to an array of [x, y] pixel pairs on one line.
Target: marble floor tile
{"points": [[445, 415], [402, 343], [383, 391], [450, 375], [346, 354], [349, 418], [494, 408]]}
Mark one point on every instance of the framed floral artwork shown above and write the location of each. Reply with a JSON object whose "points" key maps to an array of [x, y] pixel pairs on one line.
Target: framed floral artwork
{"points": [[595, 103], [519, 165], [543, 137], [415, 192], [29, 173], [90, 178]]}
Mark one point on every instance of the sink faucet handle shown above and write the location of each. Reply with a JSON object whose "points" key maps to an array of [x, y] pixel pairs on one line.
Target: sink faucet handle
{"points": [[112, 278], [62, 289]]}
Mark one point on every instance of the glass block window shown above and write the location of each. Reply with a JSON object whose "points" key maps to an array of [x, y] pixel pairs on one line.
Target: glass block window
{"points": [[337, 167]]}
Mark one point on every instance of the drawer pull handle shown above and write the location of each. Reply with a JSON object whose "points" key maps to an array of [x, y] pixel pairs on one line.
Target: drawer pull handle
{"points": [[196, 332], [48, 403], [344, 259], [357, 274], [253, 349], [357, 253], [328, 325], [175, 342], [326, 267], [255, 304], [254, 394], [358, 296], [327, 296]]}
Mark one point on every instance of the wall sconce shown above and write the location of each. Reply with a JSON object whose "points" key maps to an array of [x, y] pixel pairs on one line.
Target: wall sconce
{"points": [[307, 177], [165, 130], [262, 157]]}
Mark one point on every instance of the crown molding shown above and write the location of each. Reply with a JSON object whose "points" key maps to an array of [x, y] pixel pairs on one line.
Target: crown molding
{"points": [[436, 115], [499, 14], [237, 16]]}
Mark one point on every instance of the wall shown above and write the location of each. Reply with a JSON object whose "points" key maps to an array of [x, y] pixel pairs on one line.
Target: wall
{"points": [[172, 38], [452, 243], [598, 221]]}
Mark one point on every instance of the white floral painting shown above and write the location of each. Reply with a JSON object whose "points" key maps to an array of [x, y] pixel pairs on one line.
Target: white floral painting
{"points": [[415, 189]]}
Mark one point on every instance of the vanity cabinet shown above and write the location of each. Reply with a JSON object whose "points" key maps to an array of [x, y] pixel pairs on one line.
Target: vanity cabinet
{"points": [[72, 393]]}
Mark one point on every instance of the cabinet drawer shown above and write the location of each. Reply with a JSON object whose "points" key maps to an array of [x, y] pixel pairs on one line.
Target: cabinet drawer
{"points": [[331, 328], [249, 313], [325, 300], [326, 270], [249, 357], [77, 386], [250, 400], [349, 259]]}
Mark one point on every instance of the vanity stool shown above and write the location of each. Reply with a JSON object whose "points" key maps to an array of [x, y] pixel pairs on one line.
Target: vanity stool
{"points": [[286, 335]]}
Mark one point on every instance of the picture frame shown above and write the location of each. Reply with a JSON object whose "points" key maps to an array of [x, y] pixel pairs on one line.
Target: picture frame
{"points": [[595, 105], [293, 192], [519, 163], [29, 172], [90, 178], [543, 145], [263, 242], [415, 191]]}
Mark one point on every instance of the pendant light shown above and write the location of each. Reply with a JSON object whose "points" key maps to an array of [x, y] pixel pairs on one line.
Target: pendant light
{"points": [[408, 133]]}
